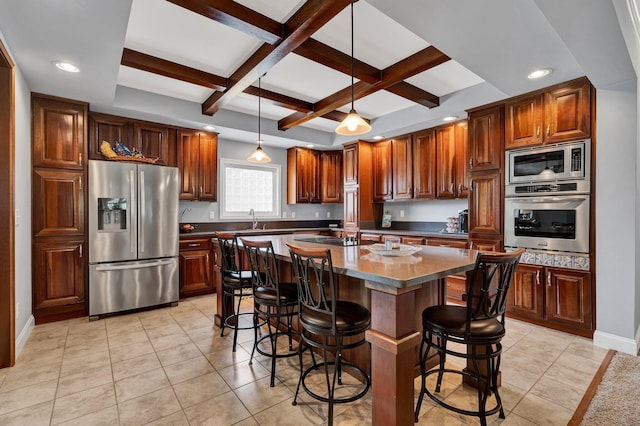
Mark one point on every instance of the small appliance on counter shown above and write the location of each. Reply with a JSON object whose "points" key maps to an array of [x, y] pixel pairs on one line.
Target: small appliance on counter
{"points": [[463, 221], [452, 225]]}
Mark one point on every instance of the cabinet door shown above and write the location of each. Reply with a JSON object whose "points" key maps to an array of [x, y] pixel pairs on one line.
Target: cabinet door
{"points": [[59, 275], [523, 118], [188, 153], [152, 140], [351, 207], [445, 157], [485, 204], [568, 112], [195, 268], [58, 202], [525, 298], [208, 166], [331, 185], [107, 128], [312, 166], [350, 162], [58, 133], [462, 160], [402, 156], [382, 171], [568, 298], [486, 136], [424, 165]]}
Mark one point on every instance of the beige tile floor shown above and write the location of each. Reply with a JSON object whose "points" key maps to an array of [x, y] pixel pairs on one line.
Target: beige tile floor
{"points": [[170, 367]]}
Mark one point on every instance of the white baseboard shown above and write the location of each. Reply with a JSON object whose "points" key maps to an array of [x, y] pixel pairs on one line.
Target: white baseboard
{"points": [[621, 344], [24, 334]]}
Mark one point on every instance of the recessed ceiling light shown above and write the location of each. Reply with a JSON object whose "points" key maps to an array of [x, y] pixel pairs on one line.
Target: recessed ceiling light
{"points": [[540, 73], [450, 118], [209, 127], [65, 66], [378, 137], [310, 145]]}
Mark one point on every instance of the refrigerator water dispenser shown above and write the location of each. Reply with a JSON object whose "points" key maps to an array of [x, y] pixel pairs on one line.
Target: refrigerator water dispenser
{"points": [[112, 214]]}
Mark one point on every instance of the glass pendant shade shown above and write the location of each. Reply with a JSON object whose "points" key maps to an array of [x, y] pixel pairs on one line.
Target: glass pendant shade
{"points": [[352, 125], [259, 156]]}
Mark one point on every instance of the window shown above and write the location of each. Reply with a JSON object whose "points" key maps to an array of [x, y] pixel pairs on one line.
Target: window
{"points": [[247, 186]]}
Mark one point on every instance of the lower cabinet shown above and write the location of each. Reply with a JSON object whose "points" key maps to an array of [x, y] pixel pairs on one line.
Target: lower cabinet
{"points": [[456, 284], [59, 288], [196, 267], [553, 297]]}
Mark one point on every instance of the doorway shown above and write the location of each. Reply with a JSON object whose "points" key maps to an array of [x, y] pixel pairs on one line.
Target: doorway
{"points": [[7, 246]]}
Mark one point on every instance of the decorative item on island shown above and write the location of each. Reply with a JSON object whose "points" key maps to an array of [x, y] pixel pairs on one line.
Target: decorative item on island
{"points": [[120, 152]]}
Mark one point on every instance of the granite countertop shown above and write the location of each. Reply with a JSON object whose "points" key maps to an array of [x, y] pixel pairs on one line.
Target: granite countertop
{"points": [[433, 234], [428, 264], [277, 231]]}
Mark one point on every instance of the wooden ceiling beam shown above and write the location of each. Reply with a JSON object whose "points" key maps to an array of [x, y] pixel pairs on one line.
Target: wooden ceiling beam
{"points": [[307, 20], [414, 94], [392, 75], [236, 16], [142, 61], [280, 99]]}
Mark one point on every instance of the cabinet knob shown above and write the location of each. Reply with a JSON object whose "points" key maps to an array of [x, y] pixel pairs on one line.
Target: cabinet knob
{"points": [[194, 244], [470, 161], [549, 278], [538, 132], [548, 130], [538, 277], [81, 251], [452, 187]]}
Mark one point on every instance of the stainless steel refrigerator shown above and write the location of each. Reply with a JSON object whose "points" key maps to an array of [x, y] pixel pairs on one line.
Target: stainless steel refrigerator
{"points": [[133, 236]]}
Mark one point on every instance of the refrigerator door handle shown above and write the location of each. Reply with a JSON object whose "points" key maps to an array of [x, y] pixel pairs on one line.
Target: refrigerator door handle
{"points": [[142, 209], [132, 182], [134, 266]]}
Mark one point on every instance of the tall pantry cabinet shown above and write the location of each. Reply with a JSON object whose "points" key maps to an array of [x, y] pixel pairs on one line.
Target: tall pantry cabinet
{"points": [[59, 153]]}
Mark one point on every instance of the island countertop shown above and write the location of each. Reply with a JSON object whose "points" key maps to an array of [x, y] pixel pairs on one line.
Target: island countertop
{"points": [[428, 264]]}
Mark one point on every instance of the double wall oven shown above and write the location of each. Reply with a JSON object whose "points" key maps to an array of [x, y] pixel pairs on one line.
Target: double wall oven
{"points": [[547, 197]]}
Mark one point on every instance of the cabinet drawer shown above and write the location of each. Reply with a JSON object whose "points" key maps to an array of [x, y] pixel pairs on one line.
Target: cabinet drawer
{"points": [[412, 240], [371, 237], [447, 242], [199, 244]]}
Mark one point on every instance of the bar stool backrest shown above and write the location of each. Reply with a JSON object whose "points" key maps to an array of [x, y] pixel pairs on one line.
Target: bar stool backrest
{"points": [[489, 285], [316, 285], [263, 264], [229, 251]]}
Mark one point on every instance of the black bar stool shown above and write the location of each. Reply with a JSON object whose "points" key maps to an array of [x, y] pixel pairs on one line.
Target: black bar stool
{"points": [[479, 326], [325, 322], [236, 283], [272, 300]]}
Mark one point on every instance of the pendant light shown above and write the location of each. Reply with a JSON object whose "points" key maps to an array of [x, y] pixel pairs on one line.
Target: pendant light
{"points": [[259, 156], [353, 124]]}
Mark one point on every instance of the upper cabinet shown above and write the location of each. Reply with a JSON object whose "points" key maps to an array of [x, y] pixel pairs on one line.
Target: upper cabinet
{"points": [[560, 113], [486, 135], [198, 165], [303, 176], [58, 132], [382, 171], [350, 164], [445, 158], [402, 154], [153, 140], [331, 185], [424, 164]]}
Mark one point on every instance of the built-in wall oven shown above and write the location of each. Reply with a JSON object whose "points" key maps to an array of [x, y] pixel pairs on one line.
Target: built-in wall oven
{"points": [[547, 197]]}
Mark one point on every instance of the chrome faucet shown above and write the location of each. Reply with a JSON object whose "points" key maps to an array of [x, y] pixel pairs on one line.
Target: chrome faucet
{"points": [[254, 222]]}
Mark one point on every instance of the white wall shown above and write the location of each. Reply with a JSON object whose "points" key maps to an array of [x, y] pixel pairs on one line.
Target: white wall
{"points": [[199, 211], [22, 202], [425, 211]]}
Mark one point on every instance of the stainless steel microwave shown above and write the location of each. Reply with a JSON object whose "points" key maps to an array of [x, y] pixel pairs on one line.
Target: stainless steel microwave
{"points": [[549, 163]]}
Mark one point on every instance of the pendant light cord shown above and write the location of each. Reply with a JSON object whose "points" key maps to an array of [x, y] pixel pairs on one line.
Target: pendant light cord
{"points": [[352, 59], [259, 111]]}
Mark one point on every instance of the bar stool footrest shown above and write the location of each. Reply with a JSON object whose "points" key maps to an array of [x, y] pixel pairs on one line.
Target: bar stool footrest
{"points": [[361, 372]]}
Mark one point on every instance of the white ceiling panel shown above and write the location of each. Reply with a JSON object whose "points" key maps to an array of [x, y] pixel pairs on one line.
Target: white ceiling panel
{"points": [[142, 80], [378, 104], [248, 104], [162, 29], [280, 10], [323, 124], [379, 40], [445, 78]]}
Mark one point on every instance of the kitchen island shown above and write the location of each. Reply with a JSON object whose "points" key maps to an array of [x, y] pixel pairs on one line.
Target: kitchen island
{"points": [[396, 290]]}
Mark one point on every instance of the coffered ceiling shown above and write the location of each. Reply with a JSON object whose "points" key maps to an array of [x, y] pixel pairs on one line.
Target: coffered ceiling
{"points": [[196, 62]]}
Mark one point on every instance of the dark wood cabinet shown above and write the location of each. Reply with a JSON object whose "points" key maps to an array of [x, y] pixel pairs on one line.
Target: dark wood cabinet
{"points": [[402, 157], [153, 140], [558, 114], [58, 207], [462, 160], [351, 208], [485, 205], [198, 165], [59, 288], [331, 185], [486, 138], [58, 192], [59, 134], [196, 267], [568, 111], [526, 295], [303, 176], [350, 164], [553, 297], [424, 164], [359, 208], [445, 158], [382, 171]]}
